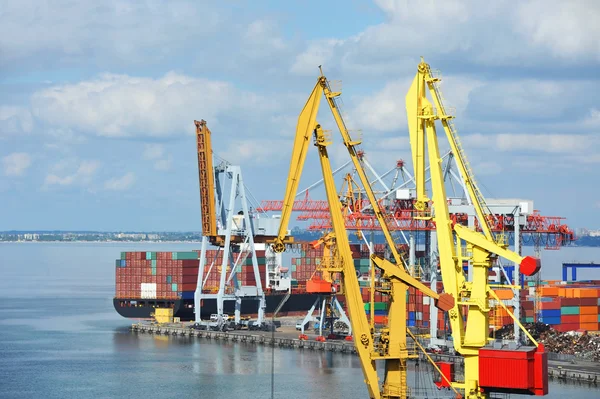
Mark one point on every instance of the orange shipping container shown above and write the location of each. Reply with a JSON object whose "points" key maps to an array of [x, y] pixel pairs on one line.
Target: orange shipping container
{"points": [[589, 310], [588, 292], [548, 291], [588, 318], [504, 294], [562, 292]]}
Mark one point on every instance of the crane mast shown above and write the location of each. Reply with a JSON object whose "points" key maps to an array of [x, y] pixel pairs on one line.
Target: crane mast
{"points": [[457, 243]]}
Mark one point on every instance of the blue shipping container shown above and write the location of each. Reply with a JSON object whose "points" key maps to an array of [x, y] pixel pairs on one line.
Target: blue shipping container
{"points": [[123, 263], [187, 295], [550, 313]]}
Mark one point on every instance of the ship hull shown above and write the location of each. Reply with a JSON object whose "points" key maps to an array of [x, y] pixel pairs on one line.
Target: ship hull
{"points": [[184, 308]]}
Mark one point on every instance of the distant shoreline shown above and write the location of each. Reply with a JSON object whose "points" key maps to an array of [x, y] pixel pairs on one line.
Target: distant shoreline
{"points": [[100, 242]]}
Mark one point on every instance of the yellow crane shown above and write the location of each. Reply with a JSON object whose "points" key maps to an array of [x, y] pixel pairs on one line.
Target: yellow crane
{"points": [[390, 343], [456, 244]]}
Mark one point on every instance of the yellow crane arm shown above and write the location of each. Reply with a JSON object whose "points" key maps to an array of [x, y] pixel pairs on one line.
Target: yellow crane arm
{"points": [[414, 102], [350, 145], [206, 179], [358, 318], [443, 301], [528, 264], [306, 123]]}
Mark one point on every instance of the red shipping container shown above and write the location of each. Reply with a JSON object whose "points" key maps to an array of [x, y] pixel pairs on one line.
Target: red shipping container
{"points": [[554, 305], [189, 279], [188, 286], [569, 319], [570, 301], [588, 301], [506, 369]]}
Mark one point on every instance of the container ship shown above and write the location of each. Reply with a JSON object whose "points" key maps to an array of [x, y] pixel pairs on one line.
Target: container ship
{"points": [[147, 280]]}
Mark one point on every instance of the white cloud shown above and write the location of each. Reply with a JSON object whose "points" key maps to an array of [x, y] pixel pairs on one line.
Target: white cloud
{"points": [[156, 153], [15, 120], [262, 39], [593, 120], [541, 143], [385, 110], [125, 31], [82, 176], [319, 52], [16, 164], [463, 33], [487, 168], [256, 152], [126, 106], [532, 100], [121, 183], [153, 151], [567, 29]]}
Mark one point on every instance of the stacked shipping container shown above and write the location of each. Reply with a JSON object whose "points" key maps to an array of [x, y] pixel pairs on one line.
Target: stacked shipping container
{"points": [[173, 275], [567, 307], [305, 267], [148, 275]]}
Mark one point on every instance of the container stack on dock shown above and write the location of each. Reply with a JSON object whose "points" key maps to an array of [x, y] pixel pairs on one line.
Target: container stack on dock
{"points": [[566, 306]]}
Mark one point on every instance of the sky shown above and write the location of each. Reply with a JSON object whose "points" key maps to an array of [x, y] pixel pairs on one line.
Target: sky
{"points": [[98, 99]]}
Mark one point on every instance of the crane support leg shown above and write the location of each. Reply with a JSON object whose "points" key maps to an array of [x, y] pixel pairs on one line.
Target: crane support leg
{"points": [[395, 384]]}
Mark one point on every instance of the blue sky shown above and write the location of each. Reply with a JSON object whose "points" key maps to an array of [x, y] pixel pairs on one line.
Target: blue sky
{"points": [[97, 102]]}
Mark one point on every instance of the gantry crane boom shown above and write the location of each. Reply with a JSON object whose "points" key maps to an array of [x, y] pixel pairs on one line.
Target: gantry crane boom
{"points": [[305, 126], [351, 147], [206, 179], [480, 249], [306, 122]]}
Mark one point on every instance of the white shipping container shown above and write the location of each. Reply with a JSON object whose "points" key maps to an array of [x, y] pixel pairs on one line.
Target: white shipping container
{"points": [[148, 290], [426, 300]]}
